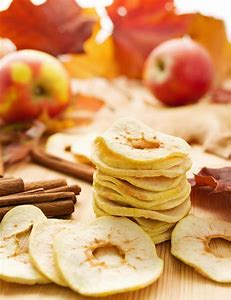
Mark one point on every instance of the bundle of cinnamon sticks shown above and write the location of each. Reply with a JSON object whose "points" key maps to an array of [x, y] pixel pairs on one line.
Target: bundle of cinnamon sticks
{"points": [[54, 197]]}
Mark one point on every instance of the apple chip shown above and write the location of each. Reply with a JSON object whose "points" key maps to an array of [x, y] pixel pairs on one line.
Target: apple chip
{"points": [[125, 187], [126, 200], [59, 144], [20, 219], [41, 247], [15, 229], [110, 192], [159, 231], [154, 226], [71, 147], [137, 142], [191, 244], [116, 209], [98, 211], [117, 161], [153, 184], [161, 237], [111, 255], [171, 172]]}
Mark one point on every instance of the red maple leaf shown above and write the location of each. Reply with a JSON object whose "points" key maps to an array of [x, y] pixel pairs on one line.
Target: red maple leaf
{"points": [[141, 25], [56, 27]]}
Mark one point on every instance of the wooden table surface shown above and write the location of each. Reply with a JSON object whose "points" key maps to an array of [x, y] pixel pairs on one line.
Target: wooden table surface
{"points": [[178, 281]]}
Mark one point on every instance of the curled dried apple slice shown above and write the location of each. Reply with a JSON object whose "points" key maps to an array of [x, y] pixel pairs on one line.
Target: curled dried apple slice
{"points": [[59, 144], [138, 143], [41, 248], [170, 215], [15, 228], [154, 184], [178, 170], [20, 219], [71, 147], [157, 230], [109, 256], [128, 189], [110, 192], [191, 244]]}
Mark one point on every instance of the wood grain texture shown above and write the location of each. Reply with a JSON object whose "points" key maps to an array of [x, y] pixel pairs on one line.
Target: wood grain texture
{"points": [[178, 281]]}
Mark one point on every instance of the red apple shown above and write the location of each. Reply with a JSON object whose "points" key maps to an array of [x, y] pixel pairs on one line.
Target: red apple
{"points": [[179, 71], [32, 82]]}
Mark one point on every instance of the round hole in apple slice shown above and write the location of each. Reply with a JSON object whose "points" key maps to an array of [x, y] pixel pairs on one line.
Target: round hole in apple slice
{"points": [[220, 247]]}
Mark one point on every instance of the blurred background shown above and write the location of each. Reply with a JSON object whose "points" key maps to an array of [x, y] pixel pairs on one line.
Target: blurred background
{"points": [[85, 63]]}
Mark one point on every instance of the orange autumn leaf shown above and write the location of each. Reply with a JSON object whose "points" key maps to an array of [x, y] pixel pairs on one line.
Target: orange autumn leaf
{"points": [[90, 103], [80, 112], [211, 33], [141, 25], [98, 59], [55, 27]]}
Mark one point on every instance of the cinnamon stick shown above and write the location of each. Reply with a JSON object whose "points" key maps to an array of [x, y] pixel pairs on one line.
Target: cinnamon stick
{"points": [[66, 188], [36, 198], [11, 186], [57, 208], [46, 185], [69, 188], [39, 190], [50, 209], [75, 169]]}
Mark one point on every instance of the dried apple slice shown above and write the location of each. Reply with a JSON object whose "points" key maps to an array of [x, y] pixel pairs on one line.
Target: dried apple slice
{"points": [[20, 219], [136, 142], [162, 237], [120, 162], [74, 148], [126, 188], [116, 209], [59, 144], [98, 211], [190, 244], [118, 196], [153, 184], [159, 232], [178, 170], [82, 147], [111, 255], [15, 229], [41, 247], [154, 226]]}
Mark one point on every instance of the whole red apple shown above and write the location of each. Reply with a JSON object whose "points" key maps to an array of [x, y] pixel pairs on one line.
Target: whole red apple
{"points": [[32, 82], [179, 71]]}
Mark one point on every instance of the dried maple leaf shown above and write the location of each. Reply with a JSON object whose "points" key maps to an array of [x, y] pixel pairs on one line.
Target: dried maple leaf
{"points": [[14, 153], [18, 141], [141, 25], [55, 27], [218, 179]]}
